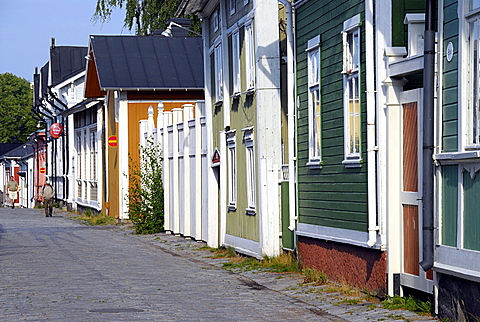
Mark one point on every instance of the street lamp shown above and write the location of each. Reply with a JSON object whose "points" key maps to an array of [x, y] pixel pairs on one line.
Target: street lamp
{"points": [[168, 32]]}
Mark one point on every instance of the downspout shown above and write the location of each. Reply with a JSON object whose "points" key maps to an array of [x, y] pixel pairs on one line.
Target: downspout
{"points": [[290, 114], [428, 134], [371, 146]]}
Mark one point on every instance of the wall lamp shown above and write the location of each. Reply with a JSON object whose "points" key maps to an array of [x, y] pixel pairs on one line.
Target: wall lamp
{"points": [[168, 32]]}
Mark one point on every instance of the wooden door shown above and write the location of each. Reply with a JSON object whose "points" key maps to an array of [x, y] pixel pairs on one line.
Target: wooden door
{"points": [[413, 275]]}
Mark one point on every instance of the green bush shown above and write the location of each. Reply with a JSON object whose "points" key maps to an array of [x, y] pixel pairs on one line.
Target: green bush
{"points": [[145, 192]]}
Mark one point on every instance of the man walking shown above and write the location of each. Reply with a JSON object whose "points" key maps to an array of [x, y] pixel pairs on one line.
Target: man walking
{"points": [[47, 194], [12, 188]]}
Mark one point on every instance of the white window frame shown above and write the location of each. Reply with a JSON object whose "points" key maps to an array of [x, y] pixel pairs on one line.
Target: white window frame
{"points": [[351, 87], [314, 109], [249, 42], [218, 70], [248, 139], [469, 125], [232, 170], [215, 19], [236, 63]]}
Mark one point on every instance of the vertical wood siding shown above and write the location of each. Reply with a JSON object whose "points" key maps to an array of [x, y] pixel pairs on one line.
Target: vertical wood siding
{"points": [[471, 219], [449, 217], [333, 196]]}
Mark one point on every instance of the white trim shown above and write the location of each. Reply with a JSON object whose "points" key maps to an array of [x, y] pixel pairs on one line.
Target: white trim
{"points": [[351, 24], [458, 262], [244, 246], [344, 236]]}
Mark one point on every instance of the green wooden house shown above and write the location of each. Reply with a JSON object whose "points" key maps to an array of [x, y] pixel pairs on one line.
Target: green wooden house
{"points": [[349, 150], [243, 100], [457, 252]]}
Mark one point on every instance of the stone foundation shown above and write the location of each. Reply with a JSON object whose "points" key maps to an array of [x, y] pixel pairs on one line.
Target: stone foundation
{"points": [[458, 299]]}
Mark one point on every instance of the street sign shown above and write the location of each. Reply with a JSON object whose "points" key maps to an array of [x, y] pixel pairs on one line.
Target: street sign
{"points": [[112, 141], [43, 170], [56, 130]]}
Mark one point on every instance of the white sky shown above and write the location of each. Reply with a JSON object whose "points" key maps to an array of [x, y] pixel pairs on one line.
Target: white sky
{"points": [[27, 26]]}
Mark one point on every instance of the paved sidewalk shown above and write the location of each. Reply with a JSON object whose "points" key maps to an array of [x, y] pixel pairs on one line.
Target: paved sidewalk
{"points": [[57, 269]]}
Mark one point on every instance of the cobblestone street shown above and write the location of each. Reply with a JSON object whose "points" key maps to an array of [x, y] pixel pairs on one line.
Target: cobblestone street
{"points": [[57, 269]]}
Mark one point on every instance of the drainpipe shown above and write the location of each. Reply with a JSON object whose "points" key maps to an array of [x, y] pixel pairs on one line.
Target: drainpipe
{"points": [[371, 147], [290, 114], [428, 134]]}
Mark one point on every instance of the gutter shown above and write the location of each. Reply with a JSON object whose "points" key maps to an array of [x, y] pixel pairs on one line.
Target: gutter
{"points": [[428, 135], [371, 146], [290, 115]]}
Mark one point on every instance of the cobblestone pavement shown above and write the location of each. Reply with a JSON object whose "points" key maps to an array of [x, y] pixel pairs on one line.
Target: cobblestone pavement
{"points": [[57, 269]]}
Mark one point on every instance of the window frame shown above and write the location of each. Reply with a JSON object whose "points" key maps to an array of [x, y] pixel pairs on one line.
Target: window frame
{"points": [[249, 42], [248, 140], [351, 39], [232, 169], [314, 106], [236, 69], [218, 73]]}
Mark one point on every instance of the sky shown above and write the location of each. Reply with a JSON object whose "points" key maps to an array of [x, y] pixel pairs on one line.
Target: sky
{"points": [[27, 26]]}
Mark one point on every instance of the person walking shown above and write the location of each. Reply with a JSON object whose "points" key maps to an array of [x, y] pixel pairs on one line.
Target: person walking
{"points": [[12, 188], [47, 195]]}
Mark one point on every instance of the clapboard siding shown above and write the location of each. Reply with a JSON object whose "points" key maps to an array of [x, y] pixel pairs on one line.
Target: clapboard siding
{"points": [[450, 80], [332, 196]]}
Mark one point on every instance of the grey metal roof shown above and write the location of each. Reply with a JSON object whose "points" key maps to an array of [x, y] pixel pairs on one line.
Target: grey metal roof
{"points": [[66, 61], [148, 62]]}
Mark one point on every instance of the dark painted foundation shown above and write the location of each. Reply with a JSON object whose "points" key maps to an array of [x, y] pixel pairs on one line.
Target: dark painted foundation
{"points": [[458, 299], [356, 266]]}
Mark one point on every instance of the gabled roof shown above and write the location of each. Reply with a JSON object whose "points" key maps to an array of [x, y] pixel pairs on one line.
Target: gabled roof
{"points": [[144, 63], [66, 61]]}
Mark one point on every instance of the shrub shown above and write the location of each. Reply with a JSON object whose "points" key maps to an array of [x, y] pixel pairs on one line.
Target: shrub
{"points": [[145, 192]]}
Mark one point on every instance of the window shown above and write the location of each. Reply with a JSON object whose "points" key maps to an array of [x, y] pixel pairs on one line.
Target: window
{"points": [[93, 153], [472, 115], [250, 164], [232, 170], [232, 6], [351, 90], [249, 58], [215, 21], [314, 113], [218, 73], [235, 59]]}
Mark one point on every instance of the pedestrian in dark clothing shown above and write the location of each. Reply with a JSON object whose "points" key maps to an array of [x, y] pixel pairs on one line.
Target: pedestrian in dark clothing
{"points": [[47, 195]]}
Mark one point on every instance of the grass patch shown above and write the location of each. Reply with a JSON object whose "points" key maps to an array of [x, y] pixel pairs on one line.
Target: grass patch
{"points": [[313, 276], [96, 219], [409, 303], [286, 262]]}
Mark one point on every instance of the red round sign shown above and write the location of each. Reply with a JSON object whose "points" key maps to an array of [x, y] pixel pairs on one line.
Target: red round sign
{"points": [[56, 130], [43, 170], [112, 141]]}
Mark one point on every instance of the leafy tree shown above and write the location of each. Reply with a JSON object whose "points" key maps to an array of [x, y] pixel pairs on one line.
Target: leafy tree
{"points": [[16, 97], [144, 15]]}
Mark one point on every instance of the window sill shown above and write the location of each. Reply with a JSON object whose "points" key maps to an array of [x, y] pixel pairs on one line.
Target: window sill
{"points": [[249, 91], [314, 164], [352, 162], [458, 157], [232, 207], [251, 211], [218, 103], [235, 95]]}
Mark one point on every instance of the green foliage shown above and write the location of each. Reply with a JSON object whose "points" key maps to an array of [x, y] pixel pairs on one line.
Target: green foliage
{"points": [[409, 303], [285, 262], [313, 276], [145, 192], [96, 219], [142, 15], [16, 99]]}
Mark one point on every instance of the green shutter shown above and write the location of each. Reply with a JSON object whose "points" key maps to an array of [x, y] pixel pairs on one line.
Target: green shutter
{"points": [[471, 216]]}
